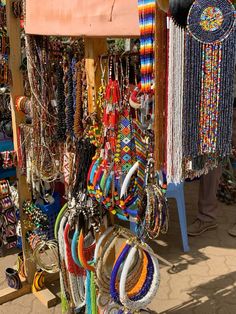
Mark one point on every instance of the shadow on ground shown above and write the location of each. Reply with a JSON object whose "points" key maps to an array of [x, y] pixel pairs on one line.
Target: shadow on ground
{"points": [[170, 246], [216, 296]]}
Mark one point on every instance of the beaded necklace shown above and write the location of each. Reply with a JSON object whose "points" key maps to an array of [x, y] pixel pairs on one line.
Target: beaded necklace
{"points": [[208, 94], [125, 128], [68, 79], [78, 126], [60, 97], [146, 23]]}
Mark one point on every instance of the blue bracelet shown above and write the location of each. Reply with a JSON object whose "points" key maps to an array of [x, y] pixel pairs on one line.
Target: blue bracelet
{"points": [[146, 286], [113, 292], [74, 246]]}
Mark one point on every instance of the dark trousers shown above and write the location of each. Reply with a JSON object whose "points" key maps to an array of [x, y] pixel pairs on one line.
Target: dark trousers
{"points": [[207, 200]]}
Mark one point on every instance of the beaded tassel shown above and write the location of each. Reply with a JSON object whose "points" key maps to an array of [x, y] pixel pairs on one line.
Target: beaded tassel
{"points": [[146, 23]]}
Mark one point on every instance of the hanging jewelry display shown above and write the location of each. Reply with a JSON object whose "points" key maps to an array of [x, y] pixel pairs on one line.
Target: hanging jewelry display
{"points": [[8, 219], [4, 46], [208, 92], [102, 160], [175, 103]]}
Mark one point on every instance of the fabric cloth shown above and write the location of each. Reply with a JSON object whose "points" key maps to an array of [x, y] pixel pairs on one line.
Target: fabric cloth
{"points": [[93, 18], [207, 200]]}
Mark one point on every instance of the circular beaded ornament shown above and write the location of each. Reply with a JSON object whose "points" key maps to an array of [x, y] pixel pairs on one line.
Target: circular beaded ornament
{"points": [[211, 21]]}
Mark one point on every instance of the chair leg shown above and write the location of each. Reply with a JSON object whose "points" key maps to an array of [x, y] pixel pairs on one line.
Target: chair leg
{"points": [[182, 220]]}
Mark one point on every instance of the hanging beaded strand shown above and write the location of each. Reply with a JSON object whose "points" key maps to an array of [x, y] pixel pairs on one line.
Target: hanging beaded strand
{"points": [[175, 103], [60, 96], [146, 23]]}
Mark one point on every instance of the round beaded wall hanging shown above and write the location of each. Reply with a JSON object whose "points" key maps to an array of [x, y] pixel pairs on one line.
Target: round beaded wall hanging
{"points": [[211, 21]]}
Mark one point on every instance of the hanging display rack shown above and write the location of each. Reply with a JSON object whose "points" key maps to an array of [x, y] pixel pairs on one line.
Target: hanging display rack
{"points": [[94, 49]]}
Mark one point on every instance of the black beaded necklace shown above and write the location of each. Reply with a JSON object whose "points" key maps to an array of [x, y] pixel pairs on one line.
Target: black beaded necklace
{"points": [[209, 70]]}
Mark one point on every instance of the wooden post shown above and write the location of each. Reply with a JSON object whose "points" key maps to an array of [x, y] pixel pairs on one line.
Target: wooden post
{"points": [[94, 48], [17, 89], [160, 88]]}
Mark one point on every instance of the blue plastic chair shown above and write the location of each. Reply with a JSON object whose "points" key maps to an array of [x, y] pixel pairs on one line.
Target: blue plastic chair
{"points": [[176, 191]]}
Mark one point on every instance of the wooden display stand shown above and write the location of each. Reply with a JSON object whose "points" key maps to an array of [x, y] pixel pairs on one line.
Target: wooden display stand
{"points": [[17, 89], [94, 47]]}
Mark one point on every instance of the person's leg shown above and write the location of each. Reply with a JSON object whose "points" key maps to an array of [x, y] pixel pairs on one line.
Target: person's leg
{"points": [[207, 203], [207, 199]]}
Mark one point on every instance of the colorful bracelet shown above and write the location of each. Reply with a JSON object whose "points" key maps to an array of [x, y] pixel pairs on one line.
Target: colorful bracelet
{"points": [[142, 303]]}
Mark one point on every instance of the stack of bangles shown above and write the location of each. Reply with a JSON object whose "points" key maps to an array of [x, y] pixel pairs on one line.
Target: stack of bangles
{"points": [[133, 281], [156, 215], [22, 104], [6, 203], [4, 188]]}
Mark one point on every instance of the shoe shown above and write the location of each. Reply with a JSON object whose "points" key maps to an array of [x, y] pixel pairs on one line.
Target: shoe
{"points": [[232, 231], [199, 226]]}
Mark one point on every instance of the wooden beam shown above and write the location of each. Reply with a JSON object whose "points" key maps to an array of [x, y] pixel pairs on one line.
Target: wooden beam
{"points": [[46, 297], [160, 88], [17, 89], [94, 48], [9, 294]]}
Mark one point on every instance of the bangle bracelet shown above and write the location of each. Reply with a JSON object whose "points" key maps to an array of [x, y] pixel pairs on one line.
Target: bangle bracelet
{"points": [[134, 278], [58, 219], [102, 279], [71, 266], [142, 277], [142, 287], [127, 179], [52, 266], [74, 245], [135, 305], [113, 291], [145, 287], [100, 241], [73, 273], [82, 259], [38, 283]]}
